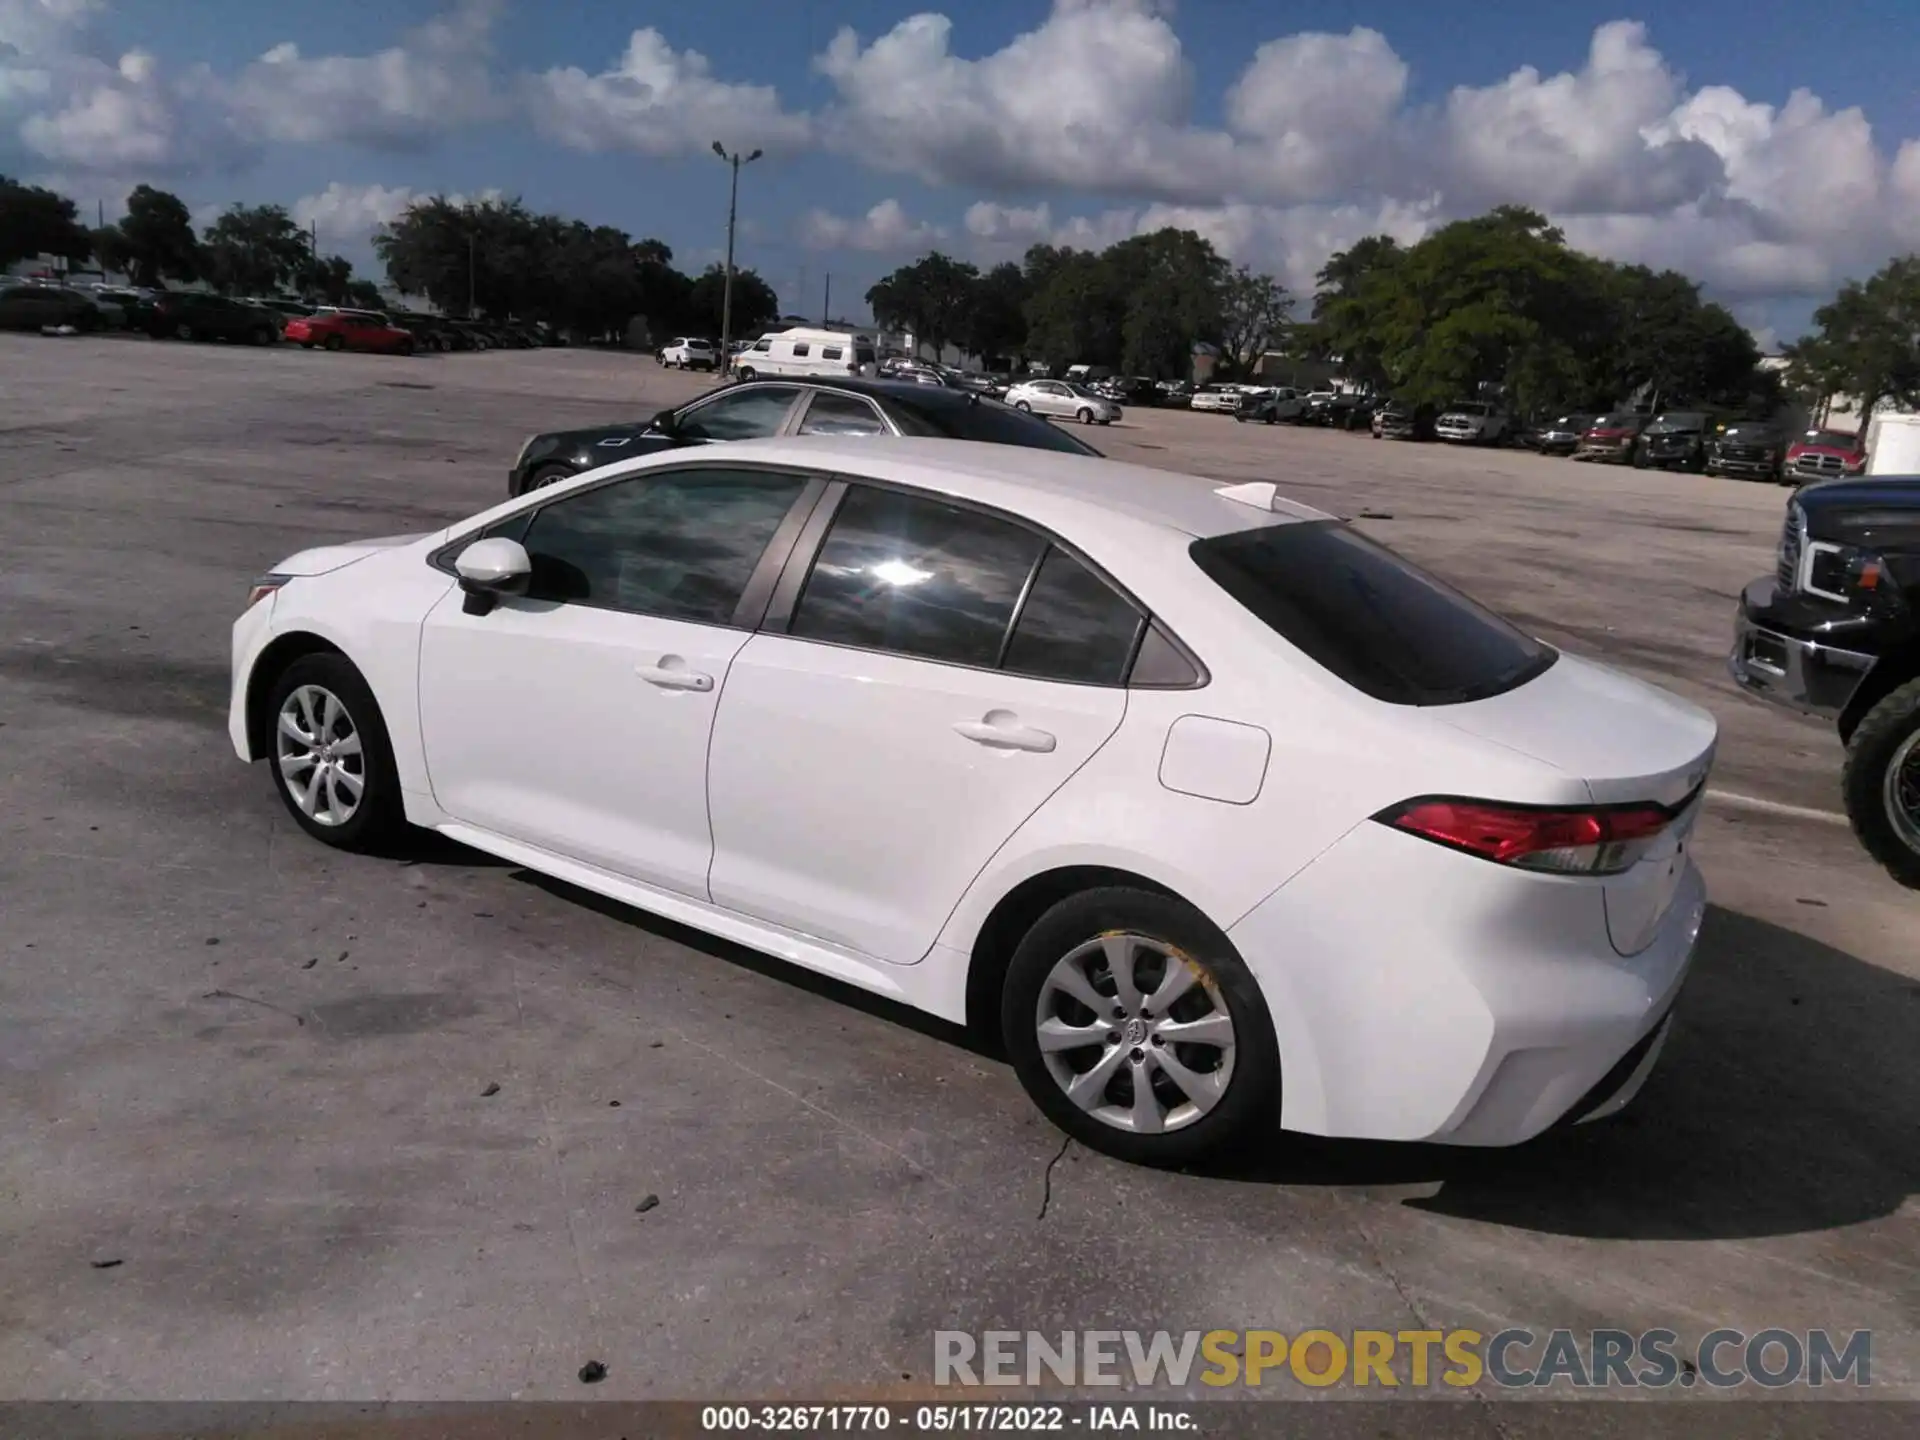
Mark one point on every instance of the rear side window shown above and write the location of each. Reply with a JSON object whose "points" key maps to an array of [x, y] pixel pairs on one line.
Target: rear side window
{"points": [[974, 417], [831, 352], [1380, 623], [1073, 626], [799, 348]]}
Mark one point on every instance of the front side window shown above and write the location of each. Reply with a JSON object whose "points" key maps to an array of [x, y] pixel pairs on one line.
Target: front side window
{"points": [[833, 414], [748, 414], [1377, 621], [761, 347], [916, 576], [1073, 626], [680, 545]]}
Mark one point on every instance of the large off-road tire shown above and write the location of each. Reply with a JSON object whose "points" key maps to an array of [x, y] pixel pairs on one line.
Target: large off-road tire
{"points": [[1881, 783]]}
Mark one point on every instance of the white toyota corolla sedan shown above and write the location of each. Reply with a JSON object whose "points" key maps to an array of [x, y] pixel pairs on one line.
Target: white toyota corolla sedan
{"points": [[1223, 816]]}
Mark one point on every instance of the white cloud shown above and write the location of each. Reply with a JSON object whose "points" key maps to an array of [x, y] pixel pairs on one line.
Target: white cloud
{"points": [[1095, 99], [351, 213], [885, 229], [659, 101], [438, 78]]}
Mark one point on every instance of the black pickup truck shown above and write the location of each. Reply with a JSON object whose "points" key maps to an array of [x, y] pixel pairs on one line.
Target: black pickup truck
{"points": [[1835, 632]]}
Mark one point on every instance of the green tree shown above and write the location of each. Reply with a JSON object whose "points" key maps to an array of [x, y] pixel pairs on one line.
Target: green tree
{"points": [[1866, 342], [1669, 344], [1173, 282], [36, 221], [365, 295], [328, 279], [154, 242], [933, 298], [1076, 310], [755, 305], [1254, 314], [1355, 286], [254, 249], [996, 324]]}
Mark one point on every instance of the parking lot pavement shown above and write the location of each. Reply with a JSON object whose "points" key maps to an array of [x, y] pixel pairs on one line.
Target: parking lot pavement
{"points": [[256, 1072]]}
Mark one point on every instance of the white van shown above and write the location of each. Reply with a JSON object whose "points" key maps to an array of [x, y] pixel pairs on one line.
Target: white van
{"points": [[806, 352]]}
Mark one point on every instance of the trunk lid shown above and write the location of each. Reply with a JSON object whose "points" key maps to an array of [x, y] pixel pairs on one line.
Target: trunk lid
{"points": [[1630, 743]]}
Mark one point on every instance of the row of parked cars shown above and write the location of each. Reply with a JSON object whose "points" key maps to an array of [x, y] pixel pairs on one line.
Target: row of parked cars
{"points": [[201, 315], [1705, 443]]}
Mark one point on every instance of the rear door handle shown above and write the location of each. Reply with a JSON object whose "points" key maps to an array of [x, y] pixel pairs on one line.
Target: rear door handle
{"points": [[672, 674], [1005, 734]]}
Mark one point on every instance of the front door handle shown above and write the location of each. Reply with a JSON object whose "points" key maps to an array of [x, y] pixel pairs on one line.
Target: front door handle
{"points": [[1002, 731], [672, 674]]}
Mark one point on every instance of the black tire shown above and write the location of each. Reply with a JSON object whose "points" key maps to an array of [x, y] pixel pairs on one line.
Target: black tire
{"points": [[406, 347], [260, 336], [1889, 735], [1023, 405], [745, 372], [334, 342], [1252, 1094], [547, 475], [1084, 415], [184, 331], [379, 815]]}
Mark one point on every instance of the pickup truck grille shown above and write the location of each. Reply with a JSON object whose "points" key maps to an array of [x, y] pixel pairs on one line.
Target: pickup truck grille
{"points": [[1792, 536], [1817, 467]]}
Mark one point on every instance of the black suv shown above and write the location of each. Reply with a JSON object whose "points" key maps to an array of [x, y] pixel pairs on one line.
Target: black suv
{"points": [[192, 315], [1835, 632]]}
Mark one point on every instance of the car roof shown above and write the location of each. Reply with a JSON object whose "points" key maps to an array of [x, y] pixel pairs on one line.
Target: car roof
{"points": [[1053, 487]]}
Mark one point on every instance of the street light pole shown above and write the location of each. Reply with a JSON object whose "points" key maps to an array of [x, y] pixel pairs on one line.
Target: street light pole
{"points": [[735, 160]]}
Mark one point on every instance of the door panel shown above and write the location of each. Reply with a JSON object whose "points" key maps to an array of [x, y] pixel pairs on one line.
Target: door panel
{"points": [[855, 795], [549, 723]]}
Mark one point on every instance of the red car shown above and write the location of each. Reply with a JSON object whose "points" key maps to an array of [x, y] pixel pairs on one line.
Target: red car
{"points": [[341, 331], [1825, 455]]}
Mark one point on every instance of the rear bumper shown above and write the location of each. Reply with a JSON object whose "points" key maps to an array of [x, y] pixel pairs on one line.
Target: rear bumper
{"points": [[1482, 1007], [1787, 670]]}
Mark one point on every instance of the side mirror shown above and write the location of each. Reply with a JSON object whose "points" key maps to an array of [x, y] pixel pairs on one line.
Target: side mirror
{"points": [[666, 423], [491, 568]]}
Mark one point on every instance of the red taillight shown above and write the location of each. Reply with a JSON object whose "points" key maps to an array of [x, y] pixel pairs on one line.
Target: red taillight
{"points": [[1600, 841]]}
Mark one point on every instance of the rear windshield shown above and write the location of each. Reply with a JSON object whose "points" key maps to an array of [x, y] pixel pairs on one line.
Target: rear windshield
{"points": [[969, 416], [1380, 623]]}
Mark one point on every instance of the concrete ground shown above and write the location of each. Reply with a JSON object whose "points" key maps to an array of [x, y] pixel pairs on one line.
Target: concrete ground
{"points": [[247, 1149]]}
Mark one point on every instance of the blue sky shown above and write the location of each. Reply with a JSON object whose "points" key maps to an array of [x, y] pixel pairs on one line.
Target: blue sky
{"points": [[1281, 131]]}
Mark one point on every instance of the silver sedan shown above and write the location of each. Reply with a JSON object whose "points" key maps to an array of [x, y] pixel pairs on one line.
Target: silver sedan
{"points": [[1064, 398]]}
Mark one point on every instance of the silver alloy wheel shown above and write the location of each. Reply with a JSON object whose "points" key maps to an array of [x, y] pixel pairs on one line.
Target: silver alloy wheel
{"points": [[320, 757], [1900, 790], [1135, 1034]]}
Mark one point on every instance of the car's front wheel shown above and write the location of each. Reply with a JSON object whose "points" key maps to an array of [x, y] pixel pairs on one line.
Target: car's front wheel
{"points": [[1881, 783], [745, 372], [1137, 1029], [1023, 405], [332, 762]]}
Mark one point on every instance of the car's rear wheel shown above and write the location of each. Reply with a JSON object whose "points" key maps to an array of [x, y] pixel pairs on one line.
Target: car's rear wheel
{"points": [[1137, 1030], [546, 475], [1881, 783], [332, 762], [334, 342], [184, 331]]}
